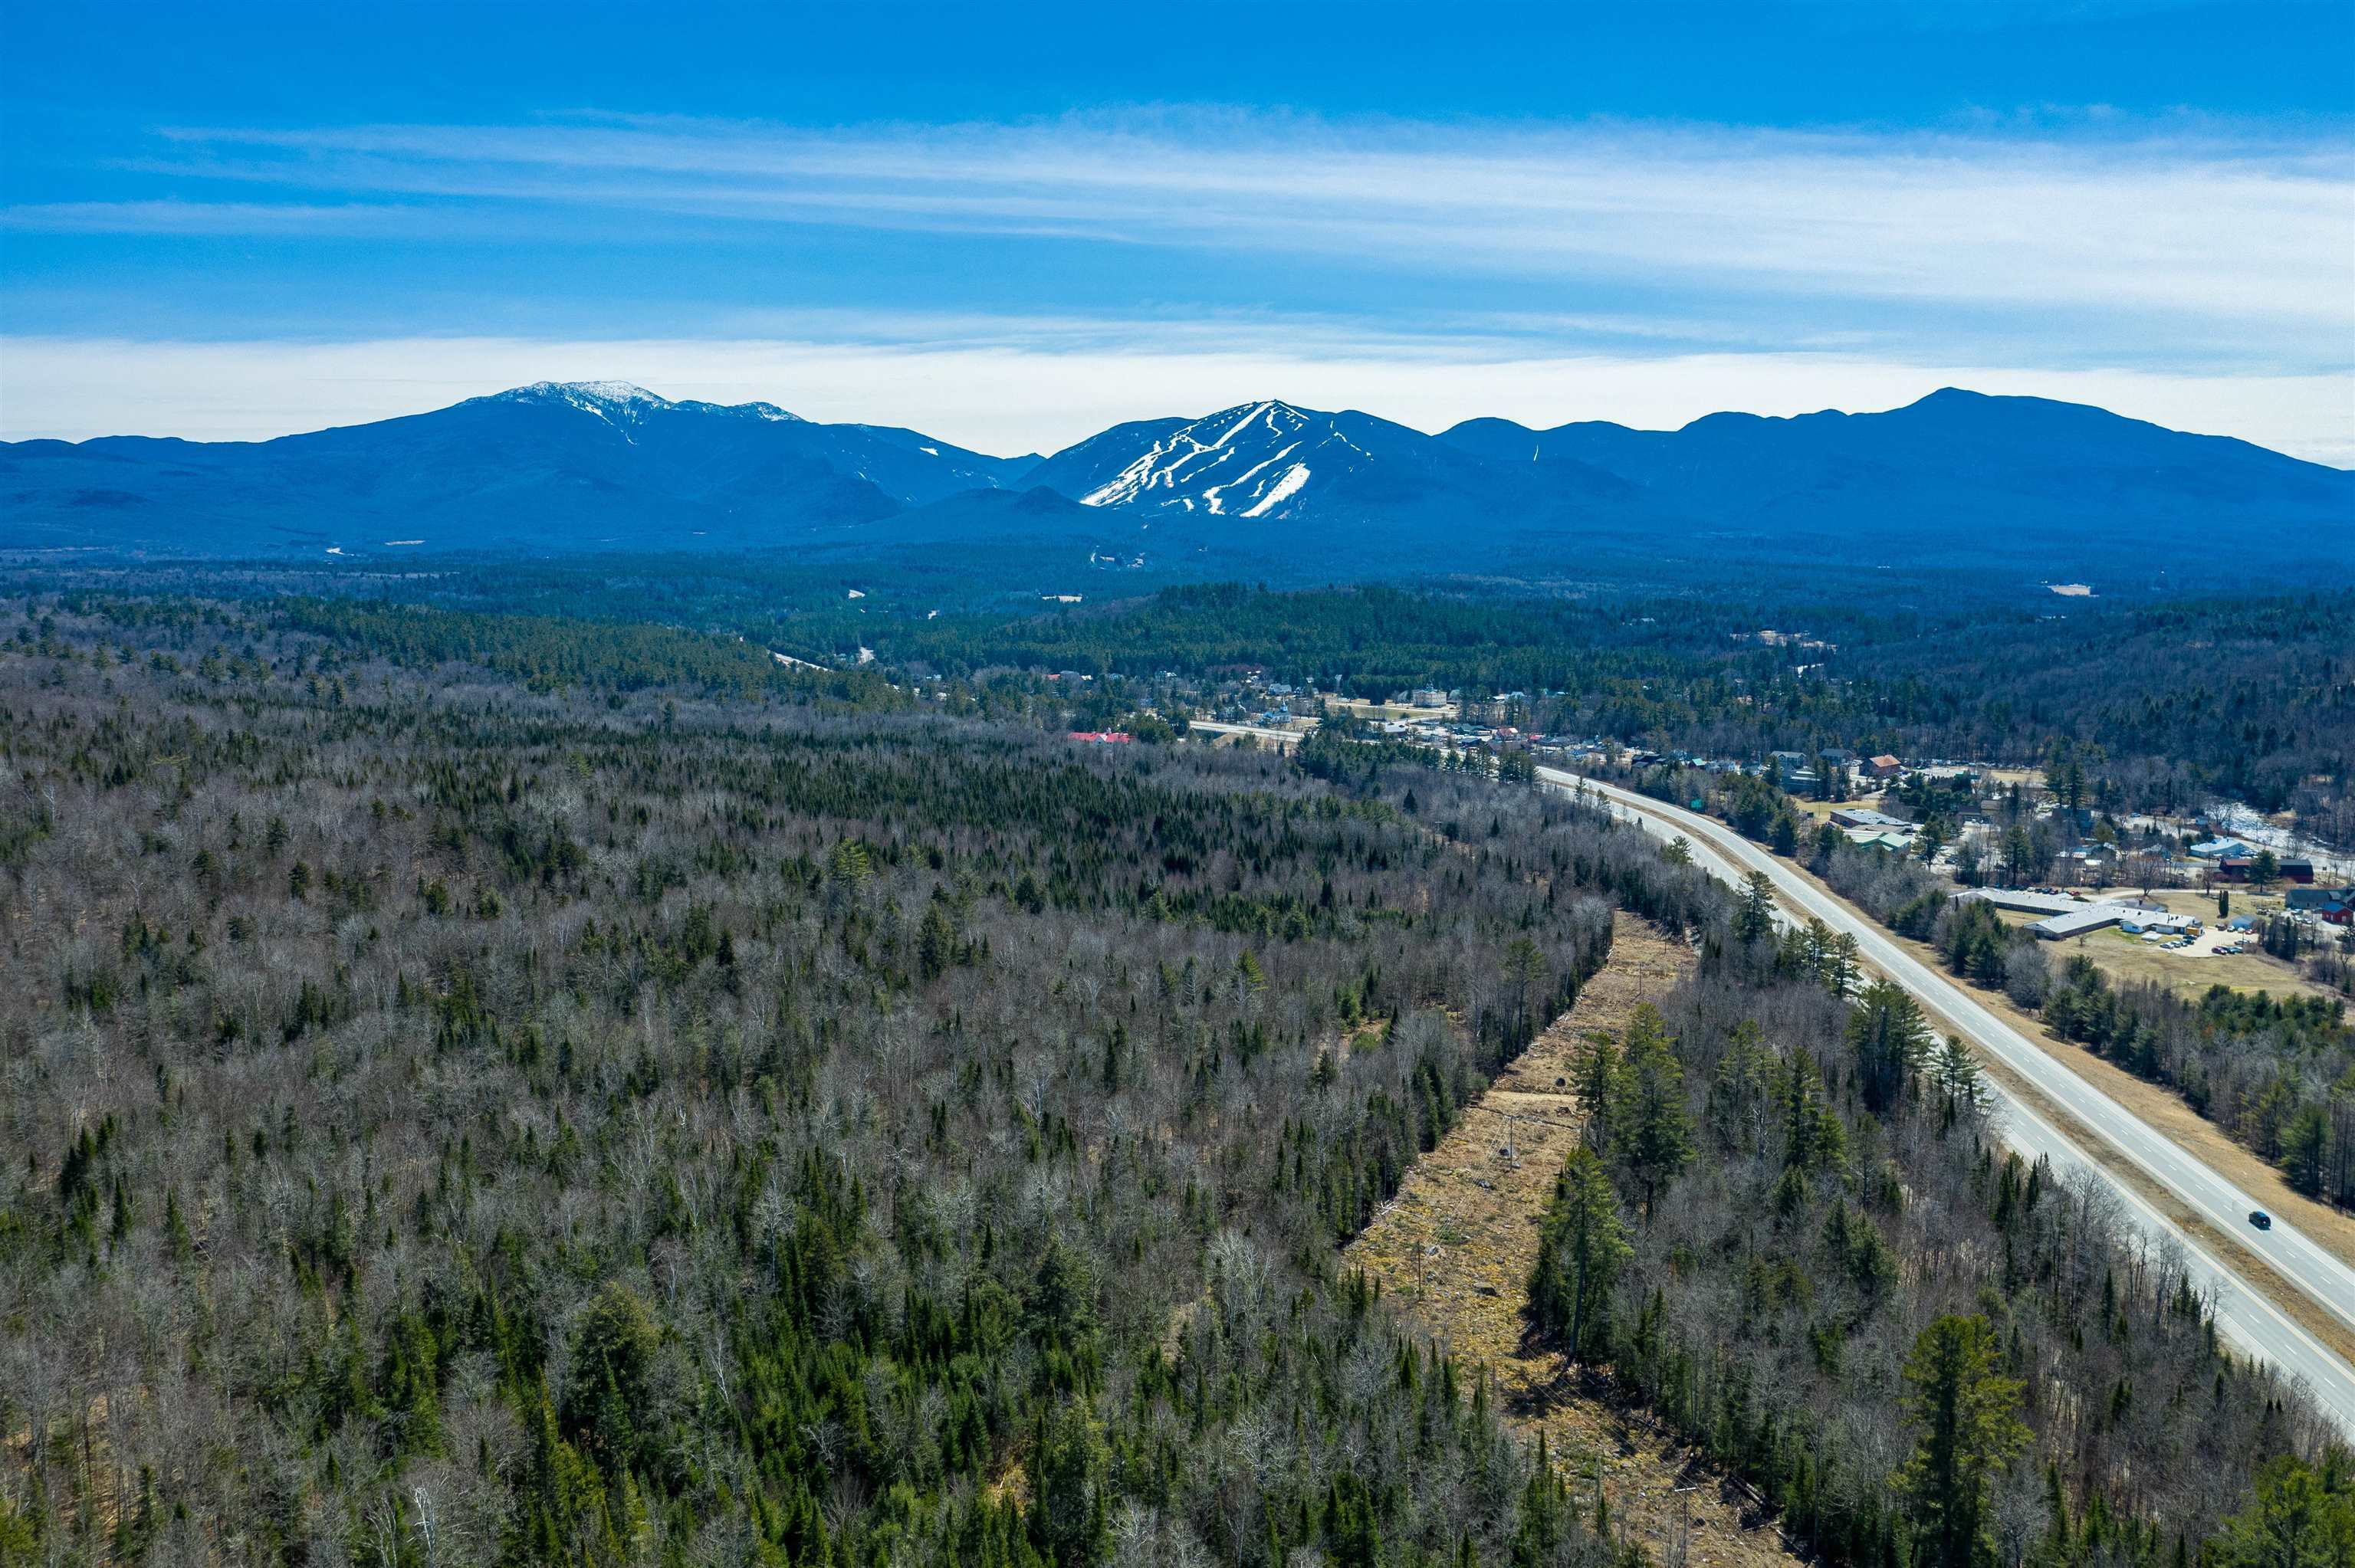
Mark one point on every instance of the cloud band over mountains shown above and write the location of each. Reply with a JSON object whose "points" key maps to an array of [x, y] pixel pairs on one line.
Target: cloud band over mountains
{"points": [[2171, 258]]}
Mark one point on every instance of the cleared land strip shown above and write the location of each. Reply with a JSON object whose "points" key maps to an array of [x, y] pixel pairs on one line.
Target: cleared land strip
{"points": [[2267, 1286], [1455, 1246]]}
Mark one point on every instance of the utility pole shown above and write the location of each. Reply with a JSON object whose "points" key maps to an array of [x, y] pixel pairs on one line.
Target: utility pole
{"points": [[1511, 1156]]}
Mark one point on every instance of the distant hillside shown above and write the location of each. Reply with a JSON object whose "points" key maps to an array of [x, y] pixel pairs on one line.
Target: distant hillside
{"points": [[552, 467], [2022, 486], [1960, 477]]}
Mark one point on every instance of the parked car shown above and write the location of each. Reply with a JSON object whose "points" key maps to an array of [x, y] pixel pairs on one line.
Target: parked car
{"points": [[2261, 1218]]}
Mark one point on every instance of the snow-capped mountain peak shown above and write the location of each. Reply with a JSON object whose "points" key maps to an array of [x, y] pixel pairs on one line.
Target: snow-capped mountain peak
{"points": [[623, 404], [610, 392], [612, 397], [597, 396], [620, 404]]}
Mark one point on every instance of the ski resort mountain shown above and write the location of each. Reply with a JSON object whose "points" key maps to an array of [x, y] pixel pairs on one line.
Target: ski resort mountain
{"points": [[1247, 461], [1269, 461], [2022, 486]]}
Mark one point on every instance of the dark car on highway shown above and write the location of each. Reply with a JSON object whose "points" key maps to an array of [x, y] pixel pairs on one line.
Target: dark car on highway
{"points": [[2261, 1218]]}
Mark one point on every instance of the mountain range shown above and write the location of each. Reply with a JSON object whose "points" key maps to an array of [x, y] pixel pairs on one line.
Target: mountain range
{"points": [[1958, 478]]}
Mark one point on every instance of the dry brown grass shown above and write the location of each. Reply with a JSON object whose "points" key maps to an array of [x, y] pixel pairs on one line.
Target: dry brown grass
{"points": [[1821, 810], [2130, 960], [1455, 1248]]}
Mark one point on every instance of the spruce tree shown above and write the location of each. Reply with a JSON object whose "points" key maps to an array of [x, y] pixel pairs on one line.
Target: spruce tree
{"points": [[1968, 1410], [1754, 917], [1651, 1127], [1579, 1255]]}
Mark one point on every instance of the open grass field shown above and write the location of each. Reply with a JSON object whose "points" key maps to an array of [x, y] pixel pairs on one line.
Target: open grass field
{"points": [[1817, 811], [2189, 973], [1366, 708]]}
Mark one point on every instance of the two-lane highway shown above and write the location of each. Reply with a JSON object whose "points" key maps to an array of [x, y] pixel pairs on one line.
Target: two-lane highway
{"points": [[2171, 1182], [2246, 1314]]}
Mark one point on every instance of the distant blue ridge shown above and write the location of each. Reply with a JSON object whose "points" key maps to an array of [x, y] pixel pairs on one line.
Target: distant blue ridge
{"points": [[1958, 479]]}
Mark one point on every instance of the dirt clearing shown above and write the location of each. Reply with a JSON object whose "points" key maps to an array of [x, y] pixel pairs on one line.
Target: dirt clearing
{"points": [[1455, 1247]]}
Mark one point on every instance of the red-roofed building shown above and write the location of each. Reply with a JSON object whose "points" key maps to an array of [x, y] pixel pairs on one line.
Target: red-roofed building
{"points": [[1104, 736]]}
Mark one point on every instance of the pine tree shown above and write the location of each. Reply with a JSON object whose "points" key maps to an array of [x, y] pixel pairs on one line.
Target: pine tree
{"points": [[1544, 1514], [1846, 964], [935, 941], [1579, 1255], [1958, 1071], [1813, 1138], [2306, 1148], [1650, 1126], [1889, 1038], [1525, 971], [2303, 1517], [1968, 1412], [1744, 1088], [1596, 1080], [1754, 917]]}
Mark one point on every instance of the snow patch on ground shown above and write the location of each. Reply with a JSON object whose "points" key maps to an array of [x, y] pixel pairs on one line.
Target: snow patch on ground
{"points": [[614, 392], [1285, 487], [1163, 465]]}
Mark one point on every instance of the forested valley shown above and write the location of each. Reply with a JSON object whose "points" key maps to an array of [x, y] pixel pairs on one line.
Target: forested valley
{"points": [[2250, 698], [2184, 700], [536, 1093]]}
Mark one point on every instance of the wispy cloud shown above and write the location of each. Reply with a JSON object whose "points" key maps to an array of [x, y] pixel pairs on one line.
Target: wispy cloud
{"points": [[210, 218], [2133, 236], [2192, 273]]}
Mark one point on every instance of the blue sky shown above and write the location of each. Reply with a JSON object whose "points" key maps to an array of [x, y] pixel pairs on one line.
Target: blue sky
{"points": [[1011, 226]]}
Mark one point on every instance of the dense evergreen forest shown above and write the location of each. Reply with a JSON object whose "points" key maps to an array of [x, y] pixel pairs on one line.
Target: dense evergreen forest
{"points": [[486, 1088]]}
